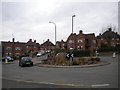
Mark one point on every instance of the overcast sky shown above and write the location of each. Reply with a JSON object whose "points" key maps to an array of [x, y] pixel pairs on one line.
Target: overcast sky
{"points": [[25, 20]]}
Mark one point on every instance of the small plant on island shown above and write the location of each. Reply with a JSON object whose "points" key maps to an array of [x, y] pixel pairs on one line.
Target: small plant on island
{"points": [[60, 59]]}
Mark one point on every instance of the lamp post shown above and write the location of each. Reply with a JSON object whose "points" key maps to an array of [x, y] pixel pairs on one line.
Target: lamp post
{"points": [[72, 23], [55, 30]]}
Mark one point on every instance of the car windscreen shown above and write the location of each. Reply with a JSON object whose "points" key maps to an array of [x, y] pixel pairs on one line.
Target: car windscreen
{"points": [[26, 58]]}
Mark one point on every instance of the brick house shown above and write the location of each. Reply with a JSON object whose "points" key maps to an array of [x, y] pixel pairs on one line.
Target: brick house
{"points": [[82, 41], [32, 46], [18, 48], [47, 45], [61, 45], [109, 38], [12, 48]]}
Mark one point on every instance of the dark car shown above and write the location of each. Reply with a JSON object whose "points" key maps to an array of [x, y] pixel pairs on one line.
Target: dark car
{"points": [[26, 61]]}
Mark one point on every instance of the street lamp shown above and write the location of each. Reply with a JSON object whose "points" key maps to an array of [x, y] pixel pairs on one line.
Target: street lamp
{"points": [[55, 30], [72, 23]]}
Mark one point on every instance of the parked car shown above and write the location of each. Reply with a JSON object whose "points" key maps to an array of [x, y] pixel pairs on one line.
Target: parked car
{"points": [[7, 58], [10, 59], [41, 53], [48, 51], [26, 61]]}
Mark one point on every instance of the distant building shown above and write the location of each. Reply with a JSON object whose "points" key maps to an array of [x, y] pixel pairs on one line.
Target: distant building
{"points": [[61, 45], [18, 48], [12, 48], [32, 46], [47, 45], [79, 41], [109, 38]]}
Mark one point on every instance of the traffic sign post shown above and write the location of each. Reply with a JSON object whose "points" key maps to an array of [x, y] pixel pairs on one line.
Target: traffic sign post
{"points": [[71, 48], [71, 53]]}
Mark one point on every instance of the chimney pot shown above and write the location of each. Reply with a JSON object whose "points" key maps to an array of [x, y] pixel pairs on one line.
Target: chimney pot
{"points": [[13, 39], [80, 32]]}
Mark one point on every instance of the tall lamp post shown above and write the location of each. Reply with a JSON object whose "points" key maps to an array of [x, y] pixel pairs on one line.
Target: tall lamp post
{"points": [[55, 30], [72, 22]]}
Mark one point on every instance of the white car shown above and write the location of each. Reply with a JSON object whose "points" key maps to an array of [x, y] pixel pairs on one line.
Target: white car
{"points": [[39, 54]]}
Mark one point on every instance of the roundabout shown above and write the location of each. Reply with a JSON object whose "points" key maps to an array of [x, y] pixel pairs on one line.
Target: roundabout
{"points": [[73, 66]]}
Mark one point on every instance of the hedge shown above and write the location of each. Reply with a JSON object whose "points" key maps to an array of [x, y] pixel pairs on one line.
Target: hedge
{"points": [[77, 53], [81, 53], [109, 49]]}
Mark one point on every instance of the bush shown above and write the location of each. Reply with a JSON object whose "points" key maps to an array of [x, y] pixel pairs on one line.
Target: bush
{"points": [[83, 61], [58, 51], [58, 60], [81, 53], [109, 49]]}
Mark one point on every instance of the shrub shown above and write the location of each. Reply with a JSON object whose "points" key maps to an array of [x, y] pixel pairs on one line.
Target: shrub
{"points": [[81, 53]]}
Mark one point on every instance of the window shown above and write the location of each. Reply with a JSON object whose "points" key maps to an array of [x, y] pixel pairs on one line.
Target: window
{"points": [[8, 48], [105, 42], [8, 54], [80, 41], [101, 38], [71, 41], [117, 39], [63, 44], [27, 46], [34, 46], [17, 54], [113, 44], [80, 47], [17, 48], [94, 41], [112, 38]]}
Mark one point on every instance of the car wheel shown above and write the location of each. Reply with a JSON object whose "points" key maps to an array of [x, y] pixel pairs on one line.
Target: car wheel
{"points": [[21, 65], [31, 65]]}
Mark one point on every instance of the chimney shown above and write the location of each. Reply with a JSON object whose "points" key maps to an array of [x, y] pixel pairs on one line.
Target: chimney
{"points": [[74, 33], [13, 40], [34, 41], [48, 40], [110, 29], [80, 32], [30, 40]]}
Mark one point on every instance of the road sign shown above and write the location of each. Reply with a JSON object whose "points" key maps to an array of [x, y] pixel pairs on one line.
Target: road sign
{"points": [[71, 48], [72, 55], [69, 55]]}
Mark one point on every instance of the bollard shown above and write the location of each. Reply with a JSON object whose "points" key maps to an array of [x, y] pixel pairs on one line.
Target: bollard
{"points": [[114, 55], [6, 61]]}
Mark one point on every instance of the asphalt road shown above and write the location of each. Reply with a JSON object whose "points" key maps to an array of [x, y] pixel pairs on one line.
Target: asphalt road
{"points": [[90, 77]]}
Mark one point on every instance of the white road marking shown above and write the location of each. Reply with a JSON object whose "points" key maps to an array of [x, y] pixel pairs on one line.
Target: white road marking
{"points": [[100, 85]]}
